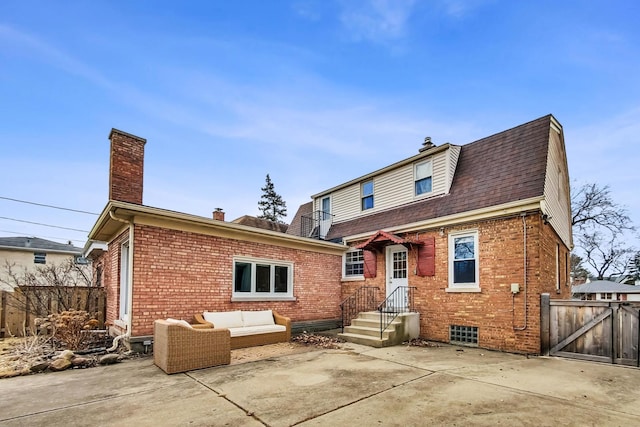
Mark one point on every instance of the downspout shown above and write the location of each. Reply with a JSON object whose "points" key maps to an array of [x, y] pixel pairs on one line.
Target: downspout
{"points": [[127, 334], [524, 232]]}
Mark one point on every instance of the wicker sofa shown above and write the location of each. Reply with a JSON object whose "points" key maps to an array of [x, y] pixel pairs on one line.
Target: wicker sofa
{"points": [[178, 347], [248, 328]]}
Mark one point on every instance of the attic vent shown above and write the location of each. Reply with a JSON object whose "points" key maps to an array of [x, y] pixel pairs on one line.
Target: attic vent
{"points": [[466, 335], [427, 144]]}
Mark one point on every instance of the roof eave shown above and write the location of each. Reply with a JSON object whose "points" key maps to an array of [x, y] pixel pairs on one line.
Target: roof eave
{"points": [[507, 209], [106, 226]]}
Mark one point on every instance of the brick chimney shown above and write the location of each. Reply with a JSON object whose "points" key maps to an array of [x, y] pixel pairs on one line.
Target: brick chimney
{"points": [[218, 214], [126, 167]]}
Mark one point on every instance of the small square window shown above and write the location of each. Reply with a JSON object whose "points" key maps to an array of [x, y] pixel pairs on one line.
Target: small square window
{"points": [[40, 258], [367, 195]]}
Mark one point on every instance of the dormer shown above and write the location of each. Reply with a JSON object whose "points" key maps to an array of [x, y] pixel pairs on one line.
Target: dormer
{"points": [[426, 175]]}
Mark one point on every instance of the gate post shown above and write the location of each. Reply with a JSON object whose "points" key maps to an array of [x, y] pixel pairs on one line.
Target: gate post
{"points": [[615, 328], [545, 323]]}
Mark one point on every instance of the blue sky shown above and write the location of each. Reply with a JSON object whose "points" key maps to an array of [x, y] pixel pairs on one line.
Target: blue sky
{"points": [[312, 92]]}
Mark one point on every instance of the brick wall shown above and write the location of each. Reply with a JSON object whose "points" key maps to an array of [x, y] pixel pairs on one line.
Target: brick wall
{"points": [[495, 310], [178, 273], [126, 167]]}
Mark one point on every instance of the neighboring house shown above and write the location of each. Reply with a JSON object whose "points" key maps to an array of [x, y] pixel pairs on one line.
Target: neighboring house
{"points": [[606, 290], [478, 231], [24, 254]]}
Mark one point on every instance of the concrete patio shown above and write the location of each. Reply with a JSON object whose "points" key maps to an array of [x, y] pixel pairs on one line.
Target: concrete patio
{"points": [[354, 385]]}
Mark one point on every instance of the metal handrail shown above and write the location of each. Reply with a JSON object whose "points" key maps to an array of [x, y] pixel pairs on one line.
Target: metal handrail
{"points": [[363, 299], [316, 224], [401, 300]]}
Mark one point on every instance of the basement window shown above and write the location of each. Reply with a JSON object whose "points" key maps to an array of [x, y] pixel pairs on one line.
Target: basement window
{"points": [[465, 335]]}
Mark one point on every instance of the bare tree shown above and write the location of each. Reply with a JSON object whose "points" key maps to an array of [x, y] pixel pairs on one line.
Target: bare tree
{"points": [[599, 225], [57, 286], [605, 253], [592, 207]]}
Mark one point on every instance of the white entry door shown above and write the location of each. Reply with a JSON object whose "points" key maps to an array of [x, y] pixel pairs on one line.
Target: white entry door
{"points": [[397, 276]]}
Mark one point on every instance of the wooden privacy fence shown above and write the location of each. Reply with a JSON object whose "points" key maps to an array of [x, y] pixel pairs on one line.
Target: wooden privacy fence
{"points": [[19, 309], [601, 331]]}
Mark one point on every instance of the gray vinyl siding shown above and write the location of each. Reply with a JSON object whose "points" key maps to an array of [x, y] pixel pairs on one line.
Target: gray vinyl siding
{"points": [[393, 188]]}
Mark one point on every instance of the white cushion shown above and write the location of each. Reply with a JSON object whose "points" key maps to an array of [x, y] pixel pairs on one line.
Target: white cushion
{"points": [[257, 318], [224, 319], [255, 330], [179, 322]]}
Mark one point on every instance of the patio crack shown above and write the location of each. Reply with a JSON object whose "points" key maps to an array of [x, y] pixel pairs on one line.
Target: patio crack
{"points": [[363, 398], [224, 396]]}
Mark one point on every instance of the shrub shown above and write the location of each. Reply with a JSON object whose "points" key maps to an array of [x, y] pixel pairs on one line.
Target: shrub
{"points": [[70, 328]]}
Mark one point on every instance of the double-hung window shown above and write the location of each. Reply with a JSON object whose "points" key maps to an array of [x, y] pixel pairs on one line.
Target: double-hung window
{"points": [[354, 263], [463, 261], [367, 195], [262, 279], [422, 178]]}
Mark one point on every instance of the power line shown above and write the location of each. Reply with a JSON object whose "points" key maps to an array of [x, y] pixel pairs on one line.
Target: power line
{"points": [[49, 206], [44, 225]]}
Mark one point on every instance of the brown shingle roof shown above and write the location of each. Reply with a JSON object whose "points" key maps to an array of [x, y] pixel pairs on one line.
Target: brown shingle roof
{"points": [[264, 224], [505, 167], [296, 224]]}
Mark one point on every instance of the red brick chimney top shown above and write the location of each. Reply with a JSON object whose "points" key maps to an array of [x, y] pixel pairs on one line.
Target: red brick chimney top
{"points": [[126, 167], [218, 214]]}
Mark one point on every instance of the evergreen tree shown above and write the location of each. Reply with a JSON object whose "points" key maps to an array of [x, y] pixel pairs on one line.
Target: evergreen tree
{"points": [[271, 205]]}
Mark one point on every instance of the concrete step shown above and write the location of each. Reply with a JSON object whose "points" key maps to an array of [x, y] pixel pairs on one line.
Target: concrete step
{"points": [[365, 329], [372, 323], [370, 331], [365, 340]]}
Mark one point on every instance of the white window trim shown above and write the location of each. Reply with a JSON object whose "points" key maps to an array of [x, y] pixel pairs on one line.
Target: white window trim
{"points": [[463, 287], [354, 277], [262, 296], [415, 167]]}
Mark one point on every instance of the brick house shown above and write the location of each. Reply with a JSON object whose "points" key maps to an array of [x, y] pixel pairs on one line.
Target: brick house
{"points": [[156, 263], [477, 232]]}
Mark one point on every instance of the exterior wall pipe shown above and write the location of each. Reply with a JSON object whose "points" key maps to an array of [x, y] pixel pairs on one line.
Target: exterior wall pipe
{"points": [[524, 232]]}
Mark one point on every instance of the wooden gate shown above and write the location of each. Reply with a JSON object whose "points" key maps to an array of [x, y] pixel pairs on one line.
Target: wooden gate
{"points": [[601, 331]]}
